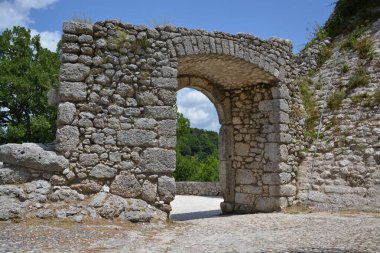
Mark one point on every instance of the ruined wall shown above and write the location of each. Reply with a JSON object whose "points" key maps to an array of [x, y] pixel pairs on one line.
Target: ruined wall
{"points": [[199, 188], [346, 174]]}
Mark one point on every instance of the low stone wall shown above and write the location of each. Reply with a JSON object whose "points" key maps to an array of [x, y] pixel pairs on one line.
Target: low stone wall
{"points": [[199, 188]]}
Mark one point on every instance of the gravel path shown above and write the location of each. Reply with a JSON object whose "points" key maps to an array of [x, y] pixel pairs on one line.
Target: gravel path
{"points": [[274, 232]]}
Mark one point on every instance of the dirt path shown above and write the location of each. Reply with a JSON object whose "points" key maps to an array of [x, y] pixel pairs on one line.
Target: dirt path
{"points": [[275, 232]]}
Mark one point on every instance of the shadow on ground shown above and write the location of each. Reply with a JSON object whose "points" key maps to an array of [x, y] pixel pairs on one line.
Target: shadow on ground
{"points": [[195, 215]]}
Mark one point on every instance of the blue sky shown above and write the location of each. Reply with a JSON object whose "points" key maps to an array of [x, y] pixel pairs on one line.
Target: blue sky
{"points": [[290, 19]]}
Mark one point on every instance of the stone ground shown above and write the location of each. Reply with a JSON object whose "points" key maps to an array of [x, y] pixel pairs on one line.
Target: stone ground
{"points": [[202, 232]]}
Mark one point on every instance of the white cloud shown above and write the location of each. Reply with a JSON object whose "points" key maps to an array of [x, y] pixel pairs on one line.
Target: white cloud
{"points": [[48, 40], [13, 13], [198, 109], [17, 13]]}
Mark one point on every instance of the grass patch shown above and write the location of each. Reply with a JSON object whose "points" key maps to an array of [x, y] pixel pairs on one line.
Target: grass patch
{"points": [[376, 96], [324, 54], [358, 79], [140, 44], [345, 68], [82, 19], [335, 99], [309, 102]]}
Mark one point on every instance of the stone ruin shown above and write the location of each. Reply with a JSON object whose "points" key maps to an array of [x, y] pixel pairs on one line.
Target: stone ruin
{"points": [[114, 153]]}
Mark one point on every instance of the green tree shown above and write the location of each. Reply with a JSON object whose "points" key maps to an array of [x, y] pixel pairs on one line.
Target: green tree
{"points": [[197, 152], [27, 73]]}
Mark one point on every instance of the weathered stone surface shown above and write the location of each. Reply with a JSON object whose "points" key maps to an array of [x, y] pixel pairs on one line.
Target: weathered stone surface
{"points": [[268, 204], [88, 159], [74, 72], [103, 171], [67, 138], [53, 97], [32, 156], [10, 208], [87, 187], [166, 188], [164, 82], [160, 112], [64, 193], [72, 91], [136, 137], [149, 191], [14, 175], [66, 113], [157, 160], [244, 176], [126, 185], [77, 28]]}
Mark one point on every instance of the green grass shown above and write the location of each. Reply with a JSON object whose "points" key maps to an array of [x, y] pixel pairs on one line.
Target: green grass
{"points": [[345, 68], [82, 19], [309, 102], [334, 101], [359, 78], [324, 54]]}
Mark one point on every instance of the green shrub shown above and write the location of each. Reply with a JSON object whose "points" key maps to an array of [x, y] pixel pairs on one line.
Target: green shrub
{"points": [[345, 68], [365, 48], [140, 44], [358, 79], [376, 96], [335, 100], [324, 54], [360, 98], [309, 102]]}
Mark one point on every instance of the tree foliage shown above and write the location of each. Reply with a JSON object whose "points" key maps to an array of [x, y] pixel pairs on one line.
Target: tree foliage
{"points": [[197, 153], [27, 73]]}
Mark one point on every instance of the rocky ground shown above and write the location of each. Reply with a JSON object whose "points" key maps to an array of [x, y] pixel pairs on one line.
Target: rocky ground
{"points": [[274, 232]]}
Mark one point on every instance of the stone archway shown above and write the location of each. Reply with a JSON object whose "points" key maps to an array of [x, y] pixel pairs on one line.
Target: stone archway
{"points": [[117, 109]]}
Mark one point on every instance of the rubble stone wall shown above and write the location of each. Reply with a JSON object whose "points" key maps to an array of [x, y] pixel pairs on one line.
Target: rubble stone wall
{"points": [[199, 188]]}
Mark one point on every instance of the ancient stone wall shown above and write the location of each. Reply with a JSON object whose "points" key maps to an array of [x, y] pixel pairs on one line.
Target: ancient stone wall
{"points": [[199, 188], [346, 173]]}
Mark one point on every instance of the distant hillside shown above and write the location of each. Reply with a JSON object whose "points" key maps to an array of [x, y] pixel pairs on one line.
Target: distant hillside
{"points": [[197, 153]]}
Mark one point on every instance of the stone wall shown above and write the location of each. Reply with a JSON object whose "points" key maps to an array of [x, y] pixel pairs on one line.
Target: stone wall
{"points": [[199, 188], [346, 172]]}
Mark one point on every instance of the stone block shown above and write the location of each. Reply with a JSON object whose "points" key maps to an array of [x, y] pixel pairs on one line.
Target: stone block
{"points": [[74, 72], [244, 198], [166, 188], [14, 175], [268, 204], [126, 185], [66, 113], [275, 152], [167, 127], [149, 191], [157, 160], [102, 171], [88, 159], [160, 112], [145, 123], [242, 149], [53, 97], [245, 177], [136, 137], [276, 178], [73, 92], [282, 190], [164, 82], [167, 142], [77, 28]]}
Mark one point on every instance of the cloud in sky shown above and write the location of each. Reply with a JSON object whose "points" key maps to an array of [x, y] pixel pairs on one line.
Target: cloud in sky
{"points": [[17, 13], [198, 108]]}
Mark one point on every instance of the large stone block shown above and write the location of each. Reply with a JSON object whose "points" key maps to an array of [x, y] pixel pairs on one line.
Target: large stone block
{"points": [[160, 112], [242, 149], [73, 92], [66, 113], [244, 198], [157, 160], [14, 175], [167, 127], [103, 171], [136, 137], [74, 72], [77, 28], [245, 177], [275, 152], [166, 188], [164, 82], [268, 204], [126, 185], [34, 156], [149, 191], [276, 178], [67, 138], [88, 159], [282, 190]]}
